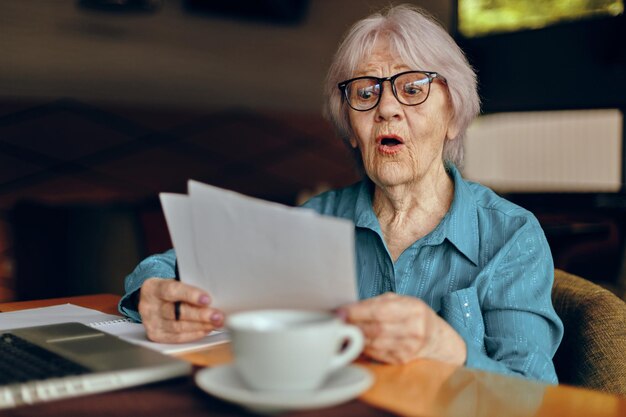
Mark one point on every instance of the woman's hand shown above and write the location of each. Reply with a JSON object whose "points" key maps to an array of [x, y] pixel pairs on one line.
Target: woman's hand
{"points": [[156, 306], [399, 329]]}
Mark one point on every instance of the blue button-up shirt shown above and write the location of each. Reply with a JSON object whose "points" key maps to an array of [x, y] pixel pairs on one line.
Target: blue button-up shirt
{"points": [[486, 269]]}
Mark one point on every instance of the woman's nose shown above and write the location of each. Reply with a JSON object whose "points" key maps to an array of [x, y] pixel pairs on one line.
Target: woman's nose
{"points": [[388, 106]]}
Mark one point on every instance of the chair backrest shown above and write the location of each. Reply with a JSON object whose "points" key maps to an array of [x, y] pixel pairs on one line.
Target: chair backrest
{"points": [[593, 351]]}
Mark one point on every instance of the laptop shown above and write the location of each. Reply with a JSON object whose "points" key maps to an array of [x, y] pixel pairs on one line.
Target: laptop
{"points": [[57, 361]]}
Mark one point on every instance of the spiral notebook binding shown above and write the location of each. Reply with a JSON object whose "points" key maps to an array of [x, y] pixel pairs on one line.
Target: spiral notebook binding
{"points": [[110, 322]]}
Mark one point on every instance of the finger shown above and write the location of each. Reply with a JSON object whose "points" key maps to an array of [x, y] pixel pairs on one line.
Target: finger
{"points": [[362, 311], [170, 290], [170, 330], [386, 307], [396, 344], [386, 356], [164, 337], [185, 337], [189, 312], [398, 349], [376, 329], [392, 349], [173, 326]]}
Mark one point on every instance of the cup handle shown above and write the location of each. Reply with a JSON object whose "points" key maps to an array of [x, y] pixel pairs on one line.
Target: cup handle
{"points": [[355, 346]]}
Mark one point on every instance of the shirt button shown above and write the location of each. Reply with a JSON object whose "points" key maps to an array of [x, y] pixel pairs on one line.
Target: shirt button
{"points": [[467, 315], [465, 305]]}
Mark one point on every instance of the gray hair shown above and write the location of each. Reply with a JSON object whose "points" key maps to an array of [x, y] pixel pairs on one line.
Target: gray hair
{"points": [[421, 43]]}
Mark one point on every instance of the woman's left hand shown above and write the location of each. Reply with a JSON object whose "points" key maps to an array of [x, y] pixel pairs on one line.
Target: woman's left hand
{"points": [[399, 329]]}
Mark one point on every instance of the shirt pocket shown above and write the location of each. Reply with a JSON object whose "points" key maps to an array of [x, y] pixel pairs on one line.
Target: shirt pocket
{"points": [[461, 310]]}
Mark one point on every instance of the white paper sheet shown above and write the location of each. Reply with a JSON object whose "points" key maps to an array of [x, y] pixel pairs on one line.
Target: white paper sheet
{"points": [[177, 209], [250, 254], [61, 313]]}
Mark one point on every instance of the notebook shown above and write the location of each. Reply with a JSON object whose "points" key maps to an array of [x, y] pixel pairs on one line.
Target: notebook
{"points": [[54, 361], [109, 323]]}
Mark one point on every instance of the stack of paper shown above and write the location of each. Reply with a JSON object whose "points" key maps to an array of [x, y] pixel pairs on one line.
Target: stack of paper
{"points": [[250, 254]]}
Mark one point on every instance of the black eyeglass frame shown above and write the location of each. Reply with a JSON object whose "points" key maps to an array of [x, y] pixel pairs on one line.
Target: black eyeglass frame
{"points": [[432, 75]]}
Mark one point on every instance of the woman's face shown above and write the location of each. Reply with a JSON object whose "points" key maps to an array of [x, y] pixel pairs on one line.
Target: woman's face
{"points": [[400, 144]]}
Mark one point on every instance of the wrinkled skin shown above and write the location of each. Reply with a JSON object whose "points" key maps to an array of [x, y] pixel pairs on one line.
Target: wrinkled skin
{"points": [[156, 306]]}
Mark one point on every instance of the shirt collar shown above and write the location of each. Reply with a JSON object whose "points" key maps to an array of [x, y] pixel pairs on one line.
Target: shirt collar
{"points": [[364, 211], [459, 226]]}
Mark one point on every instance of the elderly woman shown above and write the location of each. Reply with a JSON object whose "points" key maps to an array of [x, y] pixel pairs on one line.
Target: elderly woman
{"points": [[446, 269]]}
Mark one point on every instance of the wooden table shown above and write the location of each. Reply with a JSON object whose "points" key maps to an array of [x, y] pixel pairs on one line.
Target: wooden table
{"points": [[421, 388]]}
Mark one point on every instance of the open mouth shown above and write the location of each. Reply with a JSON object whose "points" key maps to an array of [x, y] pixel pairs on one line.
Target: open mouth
{"points": [[390, 144]]}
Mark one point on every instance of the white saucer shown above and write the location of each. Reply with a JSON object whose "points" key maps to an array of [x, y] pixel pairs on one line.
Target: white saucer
{"points": [[224, 382]]}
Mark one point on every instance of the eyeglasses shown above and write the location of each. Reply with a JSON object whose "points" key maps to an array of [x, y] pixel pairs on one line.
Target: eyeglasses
{"points": [[409, 88]]}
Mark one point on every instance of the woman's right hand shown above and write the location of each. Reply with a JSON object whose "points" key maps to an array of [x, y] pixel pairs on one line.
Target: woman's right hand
{"points": [[156, 306]]}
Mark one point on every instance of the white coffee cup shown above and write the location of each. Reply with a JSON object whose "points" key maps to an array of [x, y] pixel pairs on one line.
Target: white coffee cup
{"points": [[290, 350]]}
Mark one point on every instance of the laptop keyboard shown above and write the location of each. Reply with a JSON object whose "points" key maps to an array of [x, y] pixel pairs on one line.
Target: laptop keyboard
{"points": [[22, 361], [30, 373]]}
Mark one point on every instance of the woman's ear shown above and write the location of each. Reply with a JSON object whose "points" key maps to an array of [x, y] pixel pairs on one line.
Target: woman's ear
{"points": [[453, 131], [353, 142], [453, 128]]}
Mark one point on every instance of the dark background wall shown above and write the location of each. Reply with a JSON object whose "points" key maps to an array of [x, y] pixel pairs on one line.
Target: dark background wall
{"points": [[572, 65]]}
